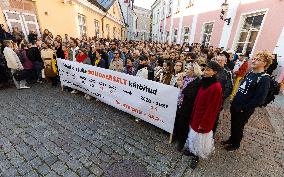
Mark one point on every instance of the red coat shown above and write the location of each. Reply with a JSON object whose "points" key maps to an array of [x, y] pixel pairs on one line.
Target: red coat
{"points": [[206, 108]]}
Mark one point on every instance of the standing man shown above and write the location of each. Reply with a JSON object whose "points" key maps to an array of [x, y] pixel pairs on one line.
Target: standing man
{"points": [[136, 63], [251, 94], [225, 78]]}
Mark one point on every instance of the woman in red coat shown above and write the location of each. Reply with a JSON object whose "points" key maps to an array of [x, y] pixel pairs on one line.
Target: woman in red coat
{"points": [[207, 105]]}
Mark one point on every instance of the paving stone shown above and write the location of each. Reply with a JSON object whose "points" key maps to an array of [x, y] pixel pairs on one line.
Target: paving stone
{"points": [[70, 173], [83, 171], [50, 160], [96, 170], [36, 162], [43, 127], [59, 167], [43, 169]]}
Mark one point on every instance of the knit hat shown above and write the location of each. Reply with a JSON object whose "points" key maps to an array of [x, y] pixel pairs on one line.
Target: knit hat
{"points": [[214, 66]]}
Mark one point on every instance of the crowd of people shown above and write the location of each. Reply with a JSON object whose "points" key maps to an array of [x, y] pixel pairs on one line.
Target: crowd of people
{"points": [[206, 77]]}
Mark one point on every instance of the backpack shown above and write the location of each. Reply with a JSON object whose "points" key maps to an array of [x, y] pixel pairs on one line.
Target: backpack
{"points": [[274, 89]]}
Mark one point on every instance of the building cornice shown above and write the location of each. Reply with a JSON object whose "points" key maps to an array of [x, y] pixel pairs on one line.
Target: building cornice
{"points": [[91, 6]]}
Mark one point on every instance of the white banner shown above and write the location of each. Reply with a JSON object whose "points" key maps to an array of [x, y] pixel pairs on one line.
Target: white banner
{"points": [[150, 101]]}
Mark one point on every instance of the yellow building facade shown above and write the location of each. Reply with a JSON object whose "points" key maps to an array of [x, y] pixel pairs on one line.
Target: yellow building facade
{"points": [[73, 17]]}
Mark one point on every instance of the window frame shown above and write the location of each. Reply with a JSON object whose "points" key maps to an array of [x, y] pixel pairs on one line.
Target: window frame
{"points": [[82, 26], [241, 24], [184, 35], [207, 34]]}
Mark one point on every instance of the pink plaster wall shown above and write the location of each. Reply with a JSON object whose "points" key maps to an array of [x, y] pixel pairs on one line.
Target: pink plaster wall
{"points": [[272, 24], [187, 21], [168, 24], [176, 23], [217, 28], [162, 24]]}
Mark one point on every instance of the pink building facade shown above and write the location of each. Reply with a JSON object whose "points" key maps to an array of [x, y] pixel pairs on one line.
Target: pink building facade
{"points": [[254, 25]]}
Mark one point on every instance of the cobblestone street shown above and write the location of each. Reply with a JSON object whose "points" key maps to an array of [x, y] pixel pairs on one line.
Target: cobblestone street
{"points": [[47, 132]]}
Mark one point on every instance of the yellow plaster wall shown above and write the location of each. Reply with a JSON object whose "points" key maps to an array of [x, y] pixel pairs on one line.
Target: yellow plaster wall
{"points": [[60, 18], [115, 12], [90, 16]]}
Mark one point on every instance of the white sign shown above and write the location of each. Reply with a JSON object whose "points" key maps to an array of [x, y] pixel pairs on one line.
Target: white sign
{"points": [[150, 101]]}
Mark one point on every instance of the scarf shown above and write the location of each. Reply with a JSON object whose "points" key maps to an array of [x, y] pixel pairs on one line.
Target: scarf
{"points": [[207, 81], [81, 58]]}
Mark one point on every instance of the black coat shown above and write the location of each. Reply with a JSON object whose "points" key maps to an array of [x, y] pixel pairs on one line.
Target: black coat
{"points": [[34, 54], [189, 92], [60, 53]]}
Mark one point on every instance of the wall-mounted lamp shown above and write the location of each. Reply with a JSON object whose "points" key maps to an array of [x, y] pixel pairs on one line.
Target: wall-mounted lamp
{"points": [[224, 9]]}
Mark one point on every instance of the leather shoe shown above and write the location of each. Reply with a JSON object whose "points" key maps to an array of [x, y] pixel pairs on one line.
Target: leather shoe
{"points": [[227, 142], [231, 148]]}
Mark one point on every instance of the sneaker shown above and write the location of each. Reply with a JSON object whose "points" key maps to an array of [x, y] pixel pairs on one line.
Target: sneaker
{"points": [[88, 97], [194, 162], [74, 92], [231, 148], [24, 87]]}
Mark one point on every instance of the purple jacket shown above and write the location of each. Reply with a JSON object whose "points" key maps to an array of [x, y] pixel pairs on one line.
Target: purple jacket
{"points": [[27, 64]]}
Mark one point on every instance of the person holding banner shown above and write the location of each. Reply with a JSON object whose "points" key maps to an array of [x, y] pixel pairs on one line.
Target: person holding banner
{"points": [[207, 105]]}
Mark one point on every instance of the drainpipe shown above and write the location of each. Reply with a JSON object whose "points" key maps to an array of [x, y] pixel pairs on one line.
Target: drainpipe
{"points": [[103, 24]]}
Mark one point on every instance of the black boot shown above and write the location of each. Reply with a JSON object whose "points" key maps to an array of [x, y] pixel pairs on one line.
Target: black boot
{"points": [[179, 147], [194, 162], [188, 153]]}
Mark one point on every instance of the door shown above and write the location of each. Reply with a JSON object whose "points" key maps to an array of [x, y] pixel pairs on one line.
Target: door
{"points": [[279, 50], [30, 22], [24, 21]]}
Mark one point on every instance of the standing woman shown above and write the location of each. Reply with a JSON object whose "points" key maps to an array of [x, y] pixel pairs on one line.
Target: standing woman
{"points": [[48, 57], [188, 91], [167, 74], [58, 50], [207, 105], [45, 35], [178, 70]]}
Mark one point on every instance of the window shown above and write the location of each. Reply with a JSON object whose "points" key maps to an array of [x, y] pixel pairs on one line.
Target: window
{"points": [[114, 32], [97, 28], [249, 32], [175, 35], [207, 32], [107, 30], [113, 9], [82, 24], [185, 34], [168, 35]]}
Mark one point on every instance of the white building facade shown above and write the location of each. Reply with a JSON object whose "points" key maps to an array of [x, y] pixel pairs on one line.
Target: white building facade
{"points": [[127, 8], [143, 23]]}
